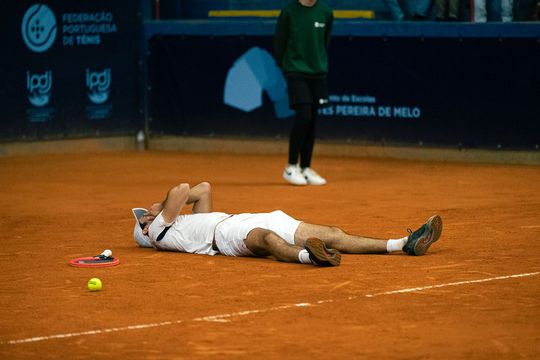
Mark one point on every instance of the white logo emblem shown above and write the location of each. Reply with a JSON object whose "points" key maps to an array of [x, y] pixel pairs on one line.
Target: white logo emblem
{"points": [[39, 86], [38, 28], [319, 25], [98, 84]]}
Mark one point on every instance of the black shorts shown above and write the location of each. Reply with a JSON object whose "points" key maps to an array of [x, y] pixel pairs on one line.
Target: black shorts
{"points": [[306, 90]]}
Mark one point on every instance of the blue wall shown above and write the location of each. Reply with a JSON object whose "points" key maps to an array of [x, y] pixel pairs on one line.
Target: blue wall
{"points": [[462, 85]]}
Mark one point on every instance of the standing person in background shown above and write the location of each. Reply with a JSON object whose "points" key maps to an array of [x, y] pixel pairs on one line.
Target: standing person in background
{"points": [[300, 44], [417, 10], [395, 10], [483, 8], [447, 10]]}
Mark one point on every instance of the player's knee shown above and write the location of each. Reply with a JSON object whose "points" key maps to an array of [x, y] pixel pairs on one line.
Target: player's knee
{"points": [[336, 232], [179, 190], [181, 187], [205, 187], [334, 236], [260, 241], [268, 238]]}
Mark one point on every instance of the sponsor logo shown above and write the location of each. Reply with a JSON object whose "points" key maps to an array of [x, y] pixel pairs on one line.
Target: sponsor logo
{"points": [[38, 28], [319, 24], [98, 84], [39, 88], [253, 74]]}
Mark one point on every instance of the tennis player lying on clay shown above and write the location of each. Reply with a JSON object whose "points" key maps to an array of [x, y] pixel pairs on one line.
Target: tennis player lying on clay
{"points": [[266, 234]]}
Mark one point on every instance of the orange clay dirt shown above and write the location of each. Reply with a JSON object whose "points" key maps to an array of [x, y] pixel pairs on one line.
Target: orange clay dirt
{"points": [[478, 288]]}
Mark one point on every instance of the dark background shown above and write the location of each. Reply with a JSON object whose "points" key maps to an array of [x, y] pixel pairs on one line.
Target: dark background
{"points": [[118, 51], [477, 85], [473, 92]]}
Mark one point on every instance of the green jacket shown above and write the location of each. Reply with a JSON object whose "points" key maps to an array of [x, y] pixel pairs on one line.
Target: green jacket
{"points": [[302, 38]]}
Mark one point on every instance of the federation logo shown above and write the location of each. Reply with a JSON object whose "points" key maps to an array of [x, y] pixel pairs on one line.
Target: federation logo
{"points": [[38, 28], [98, 84], [39, 88]]}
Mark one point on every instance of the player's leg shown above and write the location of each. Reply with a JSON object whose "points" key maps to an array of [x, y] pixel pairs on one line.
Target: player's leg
{"points": [[336, 238], [262, 242], [417, 243]]}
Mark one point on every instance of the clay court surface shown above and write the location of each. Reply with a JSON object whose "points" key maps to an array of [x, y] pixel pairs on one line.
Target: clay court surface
{"points": [[475, 295]]}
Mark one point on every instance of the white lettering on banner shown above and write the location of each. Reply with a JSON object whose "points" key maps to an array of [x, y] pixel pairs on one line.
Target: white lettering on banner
{"points": [[334, 98], [80, 29], [405, 112], [88, 39], [97, 17], [384, 111], [355, 110], [348, 105], [363, 99], [89, 29]]}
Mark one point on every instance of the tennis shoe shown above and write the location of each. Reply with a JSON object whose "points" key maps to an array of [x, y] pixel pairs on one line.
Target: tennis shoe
{"points": [[312, 178], [320, 254], [293, 175], [420, 240]]}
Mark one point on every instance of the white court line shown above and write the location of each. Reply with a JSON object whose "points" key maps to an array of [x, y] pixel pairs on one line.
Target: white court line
{"points": [[226, 317], [451, 284]]}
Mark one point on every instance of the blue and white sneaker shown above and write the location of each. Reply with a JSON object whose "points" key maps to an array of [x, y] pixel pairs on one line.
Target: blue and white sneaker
{"points": [[420, 240]]}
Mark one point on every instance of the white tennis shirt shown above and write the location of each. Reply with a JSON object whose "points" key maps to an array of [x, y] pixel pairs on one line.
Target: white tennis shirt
{"points": [[192, 233]]}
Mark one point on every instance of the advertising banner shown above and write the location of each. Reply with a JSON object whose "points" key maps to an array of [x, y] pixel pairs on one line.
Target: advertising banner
{"points": [[70, 68], [473, 92]]}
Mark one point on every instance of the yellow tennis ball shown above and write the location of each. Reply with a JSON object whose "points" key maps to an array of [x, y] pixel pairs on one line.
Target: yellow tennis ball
{"points": [[94, 284]]}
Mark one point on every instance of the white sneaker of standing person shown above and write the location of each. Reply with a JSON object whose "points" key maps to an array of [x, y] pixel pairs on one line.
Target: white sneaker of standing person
{"points": [[312, 178], [293, 175]]}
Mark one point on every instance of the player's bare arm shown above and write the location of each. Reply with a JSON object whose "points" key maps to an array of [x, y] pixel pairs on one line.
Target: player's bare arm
{"points": [[201, 197], [147, 218], [176, 199]]}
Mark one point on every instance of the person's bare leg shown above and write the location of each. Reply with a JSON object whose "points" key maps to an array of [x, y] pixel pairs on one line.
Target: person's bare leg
{"points": [[335, 238], [264, 242]]}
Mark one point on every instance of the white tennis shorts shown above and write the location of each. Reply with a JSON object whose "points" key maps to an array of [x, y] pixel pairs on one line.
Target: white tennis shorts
{"points": [[231, 233]]}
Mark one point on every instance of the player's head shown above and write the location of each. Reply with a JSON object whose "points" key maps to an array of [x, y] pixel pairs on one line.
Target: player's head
{"points": [[140, 238]]}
